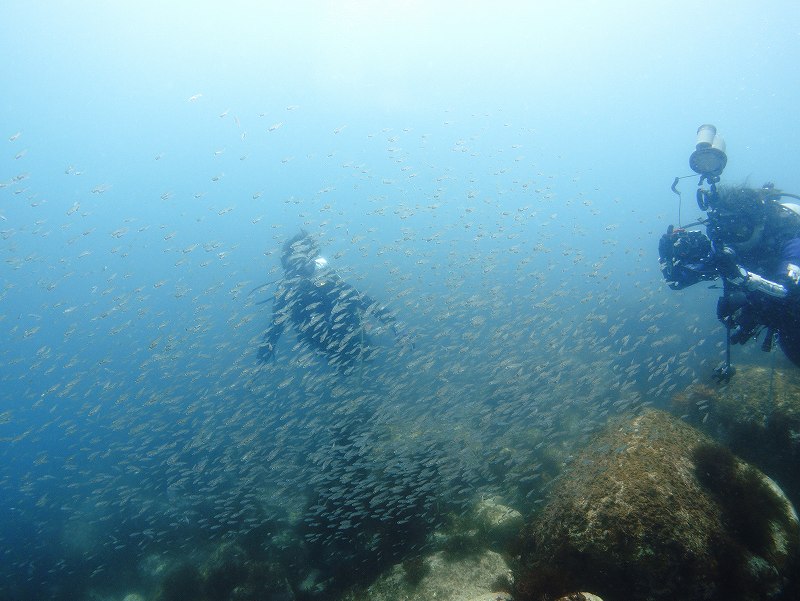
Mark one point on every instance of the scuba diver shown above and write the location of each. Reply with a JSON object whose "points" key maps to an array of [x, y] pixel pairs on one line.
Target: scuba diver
{"points": [[327, 313], [752, 242]]}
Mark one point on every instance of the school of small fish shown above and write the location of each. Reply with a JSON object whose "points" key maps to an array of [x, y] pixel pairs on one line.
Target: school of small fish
{"points": [[136, 422]]}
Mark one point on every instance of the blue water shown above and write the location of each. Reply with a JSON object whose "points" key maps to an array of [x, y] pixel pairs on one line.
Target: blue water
{"points": [[498, 175]]}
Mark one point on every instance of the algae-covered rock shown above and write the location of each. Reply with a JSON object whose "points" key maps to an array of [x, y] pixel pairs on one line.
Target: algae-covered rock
{"points": [[653, 509], [757, 415], [439, 576], [756, 395], [498, 522], [229, 573], [489, 524]]}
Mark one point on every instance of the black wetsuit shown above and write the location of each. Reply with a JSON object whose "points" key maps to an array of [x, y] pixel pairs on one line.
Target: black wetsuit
{"points": [[689, 257], [327, 314]]}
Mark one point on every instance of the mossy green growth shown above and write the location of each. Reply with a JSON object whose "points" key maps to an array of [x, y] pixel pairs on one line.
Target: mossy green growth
{"points": [[182, 582], [749, 505], [756, 415], [653, 509]]}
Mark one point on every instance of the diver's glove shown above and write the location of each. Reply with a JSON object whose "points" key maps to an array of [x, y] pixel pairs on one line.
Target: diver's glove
{"points": [[729, 305], [728, 268], [733, 273], [737, 314]]}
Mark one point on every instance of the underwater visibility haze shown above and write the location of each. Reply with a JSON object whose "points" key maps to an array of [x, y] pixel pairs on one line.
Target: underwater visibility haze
{"points": [[495, 176]]}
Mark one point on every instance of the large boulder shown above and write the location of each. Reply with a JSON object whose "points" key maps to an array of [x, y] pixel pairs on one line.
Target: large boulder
{"points": [[757, 415], [496, 523], [653, 509], [490, 524]]}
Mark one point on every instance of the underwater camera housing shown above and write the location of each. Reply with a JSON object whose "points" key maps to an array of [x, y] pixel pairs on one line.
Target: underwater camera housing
{"points": [[691, 246]]}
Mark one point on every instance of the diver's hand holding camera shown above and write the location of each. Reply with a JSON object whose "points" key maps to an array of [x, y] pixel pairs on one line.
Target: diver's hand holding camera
{"points": [[685, 257], [688, 257], [728, 267]]}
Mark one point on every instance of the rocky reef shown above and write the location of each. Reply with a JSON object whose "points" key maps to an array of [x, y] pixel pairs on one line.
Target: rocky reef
{"points": [[654, 509], [650, 508], [230, 573], [756, 415], [475, 577]]}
